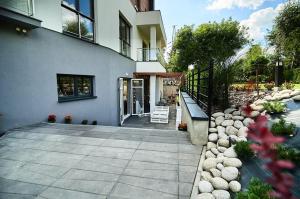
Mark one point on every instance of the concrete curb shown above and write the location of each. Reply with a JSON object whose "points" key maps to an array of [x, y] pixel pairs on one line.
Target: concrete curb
{"points": [[198, 175]]}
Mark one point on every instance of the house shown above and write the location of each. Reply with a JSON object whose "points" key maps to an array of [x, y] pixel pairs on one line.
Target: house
{"points": [[94, 59]]}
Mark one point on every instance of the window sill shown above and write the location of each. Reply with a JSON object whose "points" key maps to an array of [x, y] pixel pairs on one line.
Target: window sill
{"points": [[71, 99]]}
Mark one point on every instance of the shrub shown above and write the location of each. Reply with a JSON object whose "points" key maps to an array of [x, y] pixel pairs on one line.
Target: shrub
{"points": [[256, 190], [282, 128], [52, 118], [274, 107], [287, 153], [68, 119], [243, 150], [269, 86], [84, 122], [287, 85], [94, 122]]}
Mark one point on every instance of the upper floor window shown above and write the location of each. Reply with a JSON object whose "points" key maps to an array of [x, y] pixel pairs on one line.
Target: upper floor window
{"points": [[124, 37], [78, 18]]}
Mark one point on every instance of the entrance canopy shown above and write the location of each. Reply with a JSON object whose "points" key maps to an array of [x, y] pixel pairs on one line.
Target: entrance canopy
{"points": [[159, 74]]}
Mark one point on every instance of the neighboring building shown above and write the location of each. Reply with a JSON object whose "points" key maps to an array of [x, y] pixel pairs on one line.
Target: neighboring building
{"points": [[79, 57]]}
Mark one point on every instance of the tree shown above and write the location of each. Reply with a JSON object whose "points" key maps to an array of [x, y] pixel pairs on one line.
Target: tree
{"points": [[217, 42], [259, 63], [285, 35]]}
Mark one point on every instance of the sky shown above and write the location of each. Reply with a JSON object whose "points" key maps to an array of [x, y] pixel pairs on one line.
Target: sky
{"points": [[257, 15]]}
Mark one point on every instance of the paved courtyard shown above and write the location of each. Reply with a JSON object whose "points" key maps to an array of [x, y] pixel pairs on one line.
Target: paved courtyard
{"points": [[57, 161]]}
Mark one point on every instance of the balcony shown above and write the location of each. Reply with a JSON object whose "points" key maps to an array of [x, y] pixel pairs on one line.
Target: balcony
{"points": [[19, 13], [150, 55], [24, 7], [150, 60]]}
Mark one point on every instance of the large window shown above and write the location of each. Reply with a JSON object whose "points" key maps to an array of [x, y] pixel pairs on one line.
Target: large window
{"points": [[78, 18], [73, 87], [124, 37]]}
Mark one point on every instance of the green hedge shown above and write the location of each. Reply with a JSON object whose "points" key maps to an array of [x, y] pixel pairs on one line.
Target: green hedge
{"points": [[292, 75]]}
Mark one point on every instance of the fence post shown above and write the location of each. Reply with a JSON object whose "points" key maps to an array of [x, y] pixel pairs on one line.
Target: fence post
{"points": [[193, 83], [210, 89], [198, 85]]}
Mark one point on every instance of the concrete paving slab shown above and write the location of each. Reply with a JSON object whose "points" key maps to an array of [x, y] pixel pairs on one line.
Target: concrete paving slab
{"points": [[58, 161]]}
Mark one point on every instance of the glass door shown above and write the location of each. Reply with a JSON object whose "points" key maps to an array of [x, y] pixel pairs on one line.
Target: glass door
{"points": [[137, 96], [124, 99]]}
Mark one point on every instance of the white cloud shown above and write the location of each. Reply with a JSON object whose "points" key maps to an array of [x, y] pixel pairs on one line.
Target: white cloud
{"points": [[259, 21], [228, 4]]}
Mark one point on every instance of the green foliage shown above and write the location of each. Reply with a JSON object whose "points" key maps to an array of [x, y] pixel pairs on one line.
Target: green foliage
{"points": [[292, 75], [282, 128], [243, 150], [287, 85], [274, 107], [256, 190], [285, 35], [269, 86], [286, 153]]}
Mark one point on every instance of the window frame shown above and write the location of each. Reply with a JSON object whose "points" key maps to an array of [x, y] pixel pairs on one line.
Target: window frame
{"points": [[128, 27], [75, 96], [79, 16]]}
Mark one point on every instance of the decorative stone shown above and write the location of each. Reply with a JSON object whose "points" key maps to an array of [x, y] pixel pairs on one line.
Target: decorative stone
{"points": [[286, 91], [221, 194], [209, 154], [212, 124], [230, 130], [218, 114], [247, 121], [260, 102], [230, 153], [237, 117], [212, 130], [205, 196], [221, 129], [296, 98], [215, 151], [220, 159], [241, 138], [221, 149], [227, 123], [236, 113], [219, 183], [233, 138], [209, 163], [238, 124], [205, 175], [232, 162], [223, 142], [230, 173], [294, 93], [213, 137], [235, 186], [254, 114], [215, 172], [228, 116], [242, 132], [210, 145], [219, 120], [229, 110], [258, 108], [212, 119], [220, 166], [205, 187]]}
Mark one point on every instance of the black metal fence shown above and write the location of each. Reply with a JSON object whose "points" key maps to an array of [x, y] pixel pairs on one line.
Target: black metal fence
{"points": [[199, 85]]}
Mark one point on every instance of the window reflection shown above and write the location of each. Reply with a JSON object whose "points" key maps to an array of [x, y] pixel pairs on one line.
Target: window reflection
{"points": [[86, 28], [70, 3], [86, 7], [70, 21], [65, 86], [84, 86]]}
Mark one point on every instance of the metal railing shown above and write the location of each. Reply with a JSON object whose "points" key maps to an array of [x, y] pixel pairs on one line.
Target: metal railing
{"points": [[199, 86], [21, 6], [150, 54]]}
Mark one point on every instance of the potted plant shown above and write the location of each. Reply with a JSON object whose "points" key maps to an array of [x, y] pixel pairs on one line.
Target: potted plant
{"points": [[94, 122], [68, 119], [84, 122], [51, 118], [182, 126], [282, 128]]}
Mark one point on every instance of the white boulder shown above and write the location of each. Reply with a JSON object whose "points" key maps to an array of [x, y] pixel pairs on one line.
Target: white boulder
{"points": [[232, 162], [210, 145], [213, 137], [247, 121], [209, 163], [229, 110], [205, 175], [235, 186], [238, 124], [220, 166], [238, 117], [215, 151], [230, 173], [205, 187], [221, 149], [230, 153], [218, 114], [215, 172], [242, 132], [227, 123], [205, 196], [221, 194], [212, 130], [209, 154], [223, 142], [230, 130], [296, 98], [219, 183], [219, 120]]}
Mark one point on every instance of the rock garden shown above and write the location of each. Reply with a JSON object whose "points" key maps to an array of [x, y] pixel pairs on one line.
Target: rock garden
{"points": [[231, 169]]}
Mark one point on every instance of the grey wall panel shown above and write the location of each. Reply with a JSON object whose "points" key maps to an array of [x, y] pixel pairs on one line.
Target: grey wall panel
{"points": [[28, 86]]}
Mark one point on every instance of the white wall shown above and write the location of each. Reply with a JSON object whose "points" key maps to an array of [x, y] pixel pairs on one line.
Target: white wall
{"points": [[149, 67]]}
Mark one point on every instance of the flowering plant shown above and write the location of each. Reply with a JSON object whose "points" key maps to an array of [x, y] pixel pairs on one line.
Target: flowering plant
{"points": [[68, 119], [52, 118], [265, 146]]}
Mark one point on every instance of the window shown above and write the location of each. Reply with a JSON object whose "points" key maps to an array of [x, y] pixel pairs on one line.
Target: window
{"points": [[78, 18], [124, 37], [74, 87]]}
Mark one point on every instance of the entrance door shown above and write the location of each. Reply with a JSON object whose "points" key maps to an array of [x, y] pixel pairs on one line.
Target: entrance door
{"points": [[137, 96], [124, 97]]}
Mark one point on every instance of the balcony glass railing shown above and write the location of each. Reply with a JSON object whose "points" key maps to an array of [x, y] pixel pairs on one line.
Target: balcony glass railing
{"points": [[21, 6], [150, 54]]}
